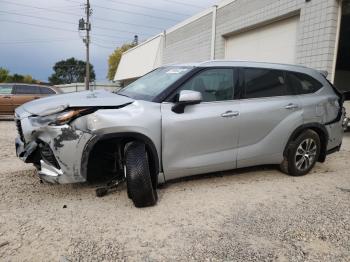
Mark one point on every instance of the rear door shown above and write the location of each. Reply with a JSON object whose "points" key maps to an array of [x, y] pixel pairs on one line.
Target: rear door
{"points": [[25, 93], [269, 113], [6, 104], [204, 138]]}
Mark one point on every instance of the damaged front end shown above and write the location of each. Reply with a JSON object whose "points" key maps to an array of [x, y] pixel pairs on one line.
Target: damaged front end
{"points": [[54, 149], [53, 139]]}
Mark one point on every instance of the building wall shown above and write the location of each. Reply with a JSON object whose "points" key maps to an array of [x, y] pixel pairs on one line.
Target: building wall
{"points": [[316, 39], [189, 43]]}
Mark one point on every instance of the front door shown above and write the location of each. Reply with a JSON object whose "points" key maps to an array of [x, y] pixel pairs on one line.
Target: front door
{"points": [[204, 138]]}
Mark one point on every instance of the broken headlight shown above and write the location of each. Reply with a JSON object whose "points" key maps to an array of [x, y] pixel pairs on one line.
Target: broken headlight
{"points": [[64, 117]]}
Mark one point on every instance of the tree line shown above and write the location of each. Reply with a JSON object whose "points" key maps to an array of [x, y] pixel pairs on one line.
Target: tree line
{"points": [[69, 71]]}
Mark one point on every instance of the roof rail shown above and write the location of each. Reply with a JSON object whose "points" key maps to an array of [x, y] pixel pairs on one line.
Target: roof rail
{"points": [[324, 73]]}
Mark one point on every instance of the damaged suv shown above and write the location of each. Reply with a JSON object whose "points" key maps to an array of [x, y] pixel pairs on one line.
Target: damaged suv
{"points": [[183, 120]]}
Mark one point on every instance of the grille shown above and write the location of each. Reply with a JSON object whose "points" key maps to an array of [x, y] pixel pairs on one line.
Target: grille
{"points": [[19, 129], [47, 155]]}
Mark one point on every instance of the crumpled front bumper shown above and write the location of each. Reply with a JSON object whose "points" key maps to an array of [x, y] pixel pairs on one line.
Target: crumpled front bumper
{"points": [[56, 151]]}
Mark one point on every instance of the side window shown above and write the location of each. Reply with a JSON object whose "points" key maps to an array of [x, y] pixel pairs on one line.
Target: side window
{"points": [[265, 83], [303, 84], [46, 91], [5, 89], [214, 84], [27, 90]]}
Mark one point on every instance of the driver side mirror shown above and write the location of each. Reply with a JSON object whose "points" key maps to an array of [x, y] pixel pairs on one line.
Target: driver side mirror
{"points": [[186, 98]]}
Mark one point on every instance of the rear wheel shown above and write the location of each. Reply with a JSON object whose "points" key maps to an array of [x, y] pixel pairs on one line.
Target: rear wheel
{"points": [[138, 177], [302, 154]]}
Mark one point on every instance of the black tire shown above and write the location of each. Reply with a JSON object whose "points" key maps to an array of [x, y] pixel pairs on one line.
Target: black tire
{"points": [[138, 177], [296, 155]]}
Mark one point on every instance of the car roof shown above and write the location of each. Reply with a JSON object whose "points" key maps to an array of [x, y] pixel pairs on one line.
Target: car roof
{"points": [[57, 90], [319, 75]]}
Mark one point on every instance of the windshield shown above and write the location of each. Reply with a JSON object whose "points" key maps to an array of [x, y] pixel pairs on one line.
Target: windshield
{"points": [[151, 85]]}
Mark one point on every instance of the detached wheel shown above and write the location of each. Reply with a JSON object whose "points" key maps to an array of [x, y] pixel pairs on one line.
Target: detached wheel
{"points": [[302, 154], [138, 178]]}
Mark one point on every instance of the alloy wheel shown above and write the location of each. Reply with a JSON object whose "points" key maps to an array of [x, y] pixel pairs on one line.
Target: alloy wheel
{"points": [[306, 154]]}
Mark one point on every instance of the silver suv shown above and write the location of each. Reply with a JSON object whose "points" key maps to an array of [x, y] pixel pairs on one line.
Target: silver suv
{"points": [[183, 120]]}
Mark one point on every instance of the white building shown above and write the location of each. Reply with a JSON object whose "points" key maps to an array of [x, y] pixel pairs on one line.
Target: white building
{"points": [[314, 33]]}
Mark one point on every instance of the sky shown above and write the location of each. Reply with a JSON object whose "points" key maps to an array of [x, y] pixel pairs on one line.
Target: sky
{"points": [[37, 33]]}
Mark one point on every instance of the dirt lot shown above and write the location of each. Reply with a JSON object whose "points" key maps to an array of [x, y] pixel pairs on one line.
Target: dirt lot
{"points": [[256, 214]]}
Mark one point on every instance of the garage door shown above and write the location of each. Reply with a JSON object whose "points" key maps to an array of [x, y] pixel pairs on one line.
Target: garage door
{"points": [[275, 42]]}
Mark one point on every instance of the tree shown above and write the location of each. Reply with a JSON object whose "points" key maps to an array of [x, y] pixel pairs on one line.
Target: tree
{"points": [[70, 71], [114, 59], [6, 77], [4, 73]]}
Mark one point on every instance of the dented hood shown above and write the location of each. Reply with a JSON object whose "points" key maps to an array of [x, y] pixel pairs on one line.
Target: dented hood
{"points": [[57, 103]]}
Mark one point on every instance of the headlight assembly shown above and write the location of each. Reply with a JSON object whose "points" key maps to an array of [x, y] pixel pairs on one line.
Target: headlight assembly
{"points": [[61, 118]]}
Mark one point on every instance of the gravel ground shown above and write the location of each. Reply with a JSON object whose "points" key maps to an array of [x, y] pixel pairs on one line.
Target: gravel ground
{"points": [[254, 214]]}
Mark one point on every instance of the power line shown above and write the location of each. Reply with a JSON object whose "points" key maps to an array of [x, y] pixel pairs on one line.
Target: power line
{"points": [[58, 28], [37, 41], [130, 12], [103, 46], [184, 3], [40, 8], [145, 7], [66, 22], [75, 15]]}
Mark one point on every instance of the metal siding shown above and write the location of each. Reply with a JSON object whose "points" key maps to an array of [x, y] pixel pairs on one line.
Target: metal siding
{"points": [[190, 43]]}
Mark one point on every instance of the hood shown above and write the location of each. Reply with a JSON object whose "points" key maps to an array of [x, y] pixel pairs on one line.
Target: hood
{"points": [[57, 103]]}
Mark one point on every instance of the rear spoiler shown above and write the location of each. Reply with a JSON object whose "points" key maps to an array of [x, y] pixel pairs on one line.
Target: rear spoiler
{"points": [[324, 73]]}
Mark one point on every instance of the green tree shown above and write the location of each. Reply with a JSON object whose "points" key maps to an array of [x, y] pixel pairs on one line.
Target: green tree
{"points": [[4, 73], [6, 77], [114, 59], [28, 79], [70, 71], [17, 78]]}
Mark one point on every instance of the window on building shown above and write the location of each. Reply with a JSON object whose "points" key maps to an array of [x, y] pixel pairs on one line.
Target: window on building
{"points": [[265, 83]]}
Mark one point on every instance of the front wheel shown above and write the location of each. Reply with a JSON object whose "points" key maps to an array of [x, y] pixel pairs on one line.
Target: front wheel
{"points": [[302, 154], [138, 177]]}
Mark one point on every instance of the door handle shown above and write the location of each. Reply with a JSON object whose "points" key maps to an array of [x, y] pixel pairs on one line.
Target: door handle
{"points": [[291, 106], [7, 97], [230, 114]]}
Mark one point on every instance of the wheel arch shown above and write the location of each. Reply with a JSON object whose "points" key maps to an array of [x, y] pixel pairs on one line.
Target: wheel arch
{"points": [[130, 136], [319, 129]]}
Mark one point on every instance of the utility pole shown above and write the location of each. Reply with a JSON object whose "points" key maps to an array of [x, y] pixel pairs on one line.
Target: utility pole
{"points": [[86, 26]]}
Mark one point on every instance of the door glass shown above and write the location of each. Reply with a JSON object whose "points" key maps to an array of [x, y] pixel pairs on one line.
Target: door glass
{"points": [[27, 90], [265, 83], [214, 84], [303, 84], [46, 91], [5, 89]]}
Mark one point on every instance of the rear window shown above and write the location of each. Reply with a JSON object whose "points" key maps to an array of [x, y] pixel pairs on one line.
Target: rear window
{"points": [[47, 91], [303, 84], [265, 83], [27, 90], [5, 89]]}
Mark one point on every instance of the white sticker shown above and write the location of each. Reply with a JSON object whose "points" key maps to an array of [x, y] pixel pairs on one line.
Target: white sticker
{"points": [[176, 70]]}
